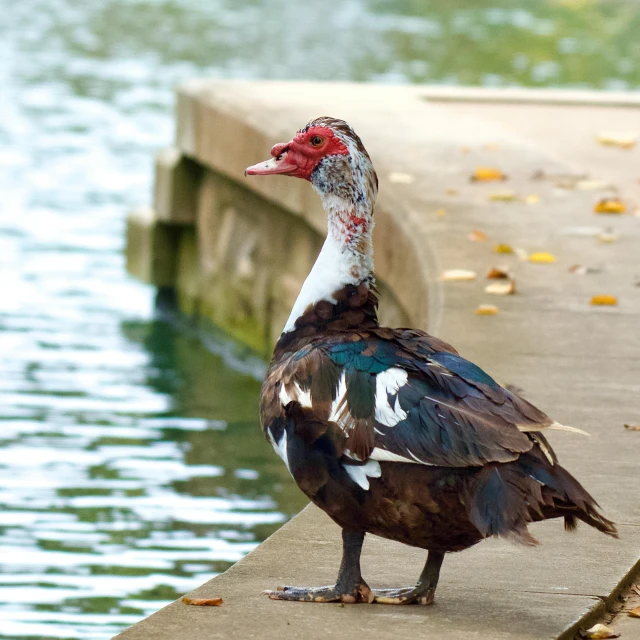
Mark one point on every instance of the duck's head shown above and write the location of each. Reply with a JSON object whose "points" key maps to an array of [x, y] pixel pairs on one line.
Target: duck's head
{"points": [[329, 154]]}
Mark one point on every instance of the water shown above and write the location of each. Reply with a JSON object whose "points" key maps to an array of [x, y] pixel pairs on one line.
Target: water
{"points": [[131, 465]]}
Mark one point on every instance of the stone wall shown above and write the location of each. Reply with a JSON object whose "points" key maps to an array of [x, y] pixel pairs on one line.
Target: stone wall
{"points": [[233, 257]]}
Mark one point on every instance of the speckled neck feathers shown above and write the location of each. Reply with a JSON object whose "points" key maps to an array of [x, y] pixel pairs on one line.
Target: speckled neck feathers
{"points": [[348, 186]]}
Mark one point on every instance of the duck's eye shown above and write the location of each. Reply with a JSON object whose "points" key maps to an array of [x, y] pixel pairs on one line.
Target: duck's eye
{"points": [[316, 141]]}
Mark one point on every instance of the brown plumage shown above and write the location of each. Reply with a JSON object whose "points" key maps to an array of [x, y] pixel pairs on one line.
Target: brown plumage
{"points": [[391, 431]]}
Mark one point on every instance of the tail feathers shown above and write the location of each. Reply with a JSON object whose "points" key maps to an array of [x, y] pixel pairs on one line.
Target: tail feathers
{"points": [[502, 499]]}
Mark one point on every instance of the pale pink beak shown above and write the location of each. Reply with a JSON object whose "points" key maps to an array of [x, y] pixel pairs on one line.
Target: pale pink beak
{"points": [[272, 166]]}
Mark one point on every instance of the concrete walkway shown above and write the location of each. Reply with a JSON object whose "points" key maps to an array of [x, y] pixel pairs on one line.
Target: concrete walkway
{"points": [[579, 363]]}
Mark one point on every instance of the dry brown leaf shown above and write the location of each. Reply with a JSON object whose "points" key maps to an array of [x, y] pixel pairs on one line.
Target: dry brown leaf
{"points": [[599, 631], [635, 613], [497, 273], [578, 269], [401, 178], [604, 301], [633, 427], [507, 288], [532, 198], [503, 248], [541, 257], [487, 174], [202, 602], [502, 196], [487, 310], [458, 274], [477, 236], [622, 139], [609, 205], [440, 212]]}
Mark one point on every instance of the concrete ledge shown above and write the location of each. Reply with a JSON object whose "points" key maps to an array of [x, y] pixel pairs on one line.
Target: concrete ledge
{"points": [[579, 363]]}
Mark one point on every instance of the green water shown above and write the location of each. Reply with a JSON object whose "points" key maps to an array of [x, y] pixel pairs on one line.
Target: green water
{"points": [[131, 463]]}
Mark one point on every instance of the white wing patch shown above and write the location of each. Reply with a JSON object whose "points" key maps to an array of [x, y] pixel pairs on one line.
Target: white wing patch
{"points": [[389, 382], [297, 395], [337, 406], [280, 447], [382, 455], [361, 474]]}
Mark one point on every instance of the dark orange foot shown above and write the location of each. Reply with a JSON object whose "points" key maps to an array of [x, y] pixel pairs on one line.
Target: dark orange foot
{"points": [[361, 593]]}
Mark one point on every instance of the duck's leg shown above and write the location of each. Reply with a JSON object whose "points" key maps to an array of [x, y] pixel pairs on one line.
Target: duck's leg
{"points": [[423, 593], [349, 587]]}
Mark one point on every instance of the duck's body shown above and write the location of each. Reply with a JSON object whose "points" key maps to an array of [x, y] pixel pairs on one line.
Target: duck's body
{"points": [[390, 431]]}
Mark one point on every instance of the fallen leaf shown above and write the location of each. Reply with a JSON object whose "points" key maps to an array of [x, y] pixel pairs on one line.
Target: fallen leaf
{"points": [[452, 192], [633, 427], [502, 196], [591, 185], [607, 237], [497, 273], [635, 613], [578, 269], [604, 301], [487, 174], [532, 198], [440, 212], [486, 310], [541, 257], [599, 631], [622, 139], [491, 146], [401, 178], [522, 254], [609, 205], [503, 248], [458, 274], [202, 602], [507, 288], [477, 236]]}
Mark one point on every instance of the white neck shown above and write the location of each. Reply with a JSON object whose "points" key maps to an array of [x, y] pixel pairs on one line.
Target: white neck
{"points": [[346, 256]]}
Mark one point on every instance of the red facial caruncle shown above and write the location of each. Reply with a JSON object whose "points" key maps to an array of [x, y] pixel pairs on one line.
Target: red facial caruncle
{"points": [[300, 156]]}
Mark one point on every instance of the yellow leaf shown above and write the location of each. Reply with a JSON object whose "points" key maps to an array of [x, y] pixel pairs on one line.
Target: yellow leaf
{"points": [[507, 288], [477, 236], [599, 632], [202, 602], [401, 178], [502, 196], [487, 174], [458, 274], [622, 139], [609, 205], [486, 310], [542, 257], [532, 198], [604, 300], [440, 212], [607, 238], [503, 248]]}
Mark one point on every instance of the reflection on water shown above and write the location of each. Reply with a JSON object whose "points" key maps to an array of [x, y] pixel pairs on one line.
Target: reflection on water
{"points": [[131, 465]]}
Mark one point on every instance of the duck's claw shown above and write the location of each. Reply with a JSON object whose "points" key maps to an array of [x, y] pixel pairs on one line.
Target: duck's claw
{"points": [[361, 593], [405, 595]]}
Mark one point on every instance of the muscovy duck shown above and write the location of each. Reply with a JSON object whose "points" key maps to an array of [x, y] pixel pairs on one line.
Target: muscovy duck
{"points": [[390, 431]]}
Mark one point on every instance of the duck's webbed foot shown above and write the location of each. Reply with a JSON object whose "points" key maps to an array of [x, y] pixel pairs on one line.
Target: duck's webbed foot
{"points": [[350, 588], [423, 593], [359, 593]]}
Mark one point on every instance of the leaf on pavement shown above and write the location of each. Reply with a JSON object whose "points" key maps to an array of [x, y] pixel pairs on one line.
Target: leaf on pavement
{"points": [[458, 274], [486, 310], [202, 602], [599, 631], [604, 301], [609, 205], [487, 174]]}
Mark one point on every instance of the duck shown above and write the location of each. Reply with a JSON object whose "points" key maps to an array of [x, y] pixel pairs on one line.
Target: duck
{"points": [[389, 430]]}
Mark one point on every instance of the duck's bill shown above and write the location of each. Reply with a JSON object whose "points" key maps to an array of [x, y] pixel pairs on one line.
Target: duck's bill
{"points": [[273, 166]]}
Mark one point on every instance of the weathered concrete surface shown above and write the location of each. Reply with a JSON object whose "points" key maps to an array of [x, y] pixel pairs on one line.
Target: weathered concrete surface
{"points": [[579, 363]]}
